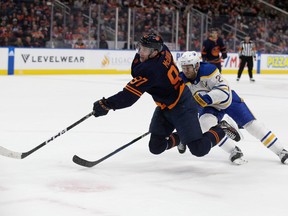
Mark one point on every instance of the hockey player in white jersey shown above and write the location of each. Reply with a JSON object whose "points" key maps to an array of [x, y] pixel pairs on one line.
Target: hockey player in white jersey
{"points": [[216, 98]]}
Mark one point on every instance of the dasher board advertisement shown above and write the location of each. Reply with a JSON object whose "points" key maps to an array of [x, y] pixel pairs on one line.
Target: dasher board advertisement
{"points": [[72, 61], [3, 61]]}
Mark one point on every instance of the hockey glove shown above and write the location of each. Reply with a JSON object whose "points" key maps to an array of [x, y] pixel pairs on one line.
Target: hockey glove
{"points": [[101, 107], [203, 100], [224, 55]]}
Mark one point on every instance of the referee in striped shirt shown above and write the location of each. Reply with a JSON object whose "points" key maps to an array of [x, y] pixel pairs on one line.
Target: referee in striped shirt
{"points": [[247, 52]]}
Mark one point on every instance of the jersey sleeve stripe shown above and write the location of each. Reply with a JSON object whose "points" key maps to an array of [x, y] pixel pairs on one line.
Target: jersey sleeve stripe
{"points": [[137, 91], [223, 88], [132, 90], [214, 61]]}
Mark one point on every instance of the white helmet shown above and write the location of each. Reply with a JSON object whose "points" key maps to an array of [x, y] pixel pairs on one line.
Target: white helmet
{"points": [[190, 58]]}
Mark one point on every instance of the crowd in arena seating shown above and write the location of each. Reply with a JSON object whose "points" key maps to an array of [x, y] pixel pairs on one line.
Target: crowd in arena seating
{"points": [[27, 23], [24, 24]]}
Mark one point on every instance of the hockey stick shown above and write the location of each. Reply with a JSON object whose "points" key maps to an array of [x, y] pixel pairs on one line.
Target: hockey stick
{"points": [[21, 155], [86, 163]]}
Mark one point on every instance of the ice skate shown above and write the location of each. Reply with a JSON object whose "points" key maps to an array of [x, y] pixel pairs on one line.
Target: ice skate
{"points": [[230, 131], [181, 148], [283, 155], [236, 157], [232, 123]]}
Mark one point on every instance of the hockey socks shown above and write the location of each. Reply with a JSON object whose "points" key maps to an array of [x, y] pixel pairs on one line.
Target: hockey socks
{"points": [[215, 134], [173, 140]]}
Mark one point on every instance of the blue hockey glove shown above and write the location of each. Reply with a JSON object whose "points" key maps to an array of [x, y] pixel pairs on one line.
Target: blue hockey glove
{"points": [[101, 107]]}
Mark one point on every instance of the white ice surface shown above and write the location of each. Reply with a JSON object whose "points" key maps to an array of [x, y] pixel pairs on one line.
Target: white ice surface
{"points": [[133, 182]]}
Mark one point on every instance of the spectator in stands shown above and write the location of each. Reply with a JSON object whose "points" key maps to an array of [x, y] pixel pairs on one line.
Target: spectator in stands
{"points": [[155, 14], [28, 42], [79, 44], [18, 42], [103, 43], [4, 42], [132, 45]]}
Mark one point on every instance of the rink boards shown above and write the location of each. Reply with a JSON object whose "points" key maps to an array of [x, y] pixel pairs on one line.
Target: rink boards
{"points": [[45, 61]]}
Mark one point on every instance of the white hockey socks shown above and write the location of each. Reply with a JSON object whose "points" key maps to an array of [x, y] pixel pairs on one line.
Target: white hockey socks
{"points": [[267, 137]]}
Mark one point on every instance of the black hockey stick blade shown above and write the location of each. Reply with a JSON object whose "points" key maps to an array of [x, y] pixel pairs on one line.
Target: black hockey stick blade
{"points": [[86, 163], [21, 155]]}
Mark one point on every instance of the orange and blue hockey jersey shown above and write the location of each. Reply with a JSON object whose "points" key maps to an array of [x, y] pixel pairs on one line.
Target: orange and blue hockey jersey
{"points": [[157, 76], [211, 50]]}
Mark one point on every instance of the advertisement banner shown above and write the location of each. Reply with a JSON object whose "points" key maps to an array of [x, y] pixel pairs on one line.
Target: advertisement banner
{"points": [[44, 61], [275, 63], [72, 61], [3, 61], [229, 65]]}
